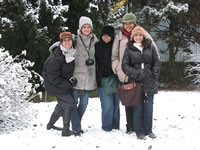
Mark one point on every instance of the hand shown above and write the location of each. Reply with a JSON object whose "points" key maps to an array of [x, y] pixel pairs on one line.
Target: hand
{"points": [[73, 81]]}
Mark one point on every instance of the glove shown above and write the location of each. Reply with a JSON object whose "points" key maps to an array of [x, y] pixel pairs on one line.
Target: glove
{"points": [[73, 81], [57, 52]]}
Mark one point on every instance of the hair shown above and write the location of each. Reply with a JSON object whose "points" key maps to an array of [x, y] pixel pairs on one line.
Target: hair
{"points": [[145, 43], [61, 41], [122, 27]]}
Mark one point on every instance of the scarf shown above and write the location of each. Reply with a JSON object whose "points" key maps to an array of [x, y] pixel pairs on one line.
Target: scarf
{"points": [[68, 53], [140, 47], [127, 34]]}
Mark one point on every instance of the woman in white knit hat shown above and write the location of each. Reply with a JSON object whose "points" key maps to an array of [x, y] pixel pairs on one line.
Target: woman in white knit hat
{"points": [[84, 70]]}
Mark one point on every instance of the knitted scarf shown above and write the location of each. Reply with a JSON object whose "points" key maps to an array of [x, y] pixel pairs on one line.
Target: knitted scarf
{"points": [[68, 53], [127, 34]]}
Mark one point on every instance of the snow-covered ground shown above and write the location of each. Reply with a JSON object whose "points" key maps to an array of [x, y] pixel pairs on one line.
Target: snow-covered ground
{"points": [[176, 124]]}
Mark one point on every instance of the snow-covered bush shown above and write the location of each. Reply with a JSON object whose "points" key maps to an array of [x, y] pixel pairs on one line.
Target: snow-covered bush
{"points": [[15, 91], [194, 70]]}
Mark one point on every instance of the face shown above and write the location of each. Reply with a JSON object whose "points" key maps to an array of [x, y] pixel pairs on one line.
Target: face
{"points": [[138, 38], [67, 43], [86, 29], [128, 26], [106, 38]]}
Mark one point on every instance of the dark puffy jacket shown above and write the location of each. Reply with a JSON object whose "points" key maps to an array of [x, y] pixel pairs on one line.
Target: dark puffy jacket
{"points": [[103, 60], [131, 65], [56, 74]]}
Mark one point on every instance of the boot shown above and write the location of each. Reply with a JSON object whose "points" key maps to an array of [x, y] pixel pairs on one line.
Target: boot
{"points": [[67, 132], [129, 119], [66, 122], [52, 121], [152, 135]]}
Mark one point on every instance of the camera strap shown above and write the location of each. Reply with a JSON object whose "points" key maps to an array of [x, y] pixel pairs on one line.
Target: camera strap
{"points": [[87, 50]]}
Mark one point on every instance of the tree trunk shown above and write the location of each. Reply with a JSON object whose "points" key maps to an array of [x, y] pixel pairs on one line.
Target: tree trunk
{"points": [[149, 2], [130, 4], [171, 45], [171, 53]]}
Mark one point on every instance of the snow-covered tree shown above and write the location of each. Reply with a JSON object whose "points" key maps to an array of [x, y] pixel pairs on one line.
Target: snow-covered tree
{"points": [[34, 28], [16, 91], [193, 70], [175, 22]]}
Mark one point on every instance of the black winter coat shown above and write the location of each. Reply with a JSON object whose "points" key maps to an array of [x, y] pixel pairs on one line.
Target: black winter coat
{"points": [[131, 65], [56, 74], [103, 53]]}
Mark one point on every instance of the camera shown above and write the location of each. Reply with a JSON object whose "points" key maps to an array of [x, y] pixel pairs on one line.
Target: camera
{"points": [[89, 62], [72, 79]]}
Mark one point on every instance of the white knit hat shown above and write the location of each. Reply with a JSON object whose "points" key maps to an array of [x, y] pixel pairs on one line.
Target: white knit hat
{"points": [[85, 20]]}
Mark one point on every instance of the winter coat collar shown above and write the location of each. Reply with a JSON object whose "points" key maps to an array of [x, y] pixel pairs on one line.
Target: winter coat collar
{"points": [[121, 36], [126, 34], [105, 44]]}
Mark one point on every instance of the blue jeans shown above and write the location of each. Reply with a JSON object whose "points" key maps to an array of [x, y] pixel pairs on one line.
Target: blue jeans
{"points": [[79, 111], [143, 116], [110, 116]]}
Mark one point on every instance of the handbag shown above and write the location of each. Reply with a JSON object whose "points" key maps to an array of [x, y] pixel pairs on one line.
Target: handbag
{"points": [[110, 84], [130, 94]]}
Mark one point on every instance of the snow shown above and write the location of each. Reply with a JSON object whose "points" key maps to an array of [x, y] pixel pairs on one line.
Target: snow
{"points": [[32, 12], [169, 8], [176, 124], [5, 20], [15, 88], [193, 69]]}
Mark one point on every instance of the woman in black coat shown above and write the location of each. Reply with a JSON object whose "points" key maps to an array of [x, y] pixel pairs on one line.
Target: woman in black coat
{"points": [[110, 117], [58, 78], [141, 64]]}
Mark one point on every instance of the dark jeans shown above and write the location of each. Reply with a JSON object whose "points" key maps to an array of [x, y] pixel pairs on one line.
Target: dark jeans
{"points": [[143, 116], [110, 116]]}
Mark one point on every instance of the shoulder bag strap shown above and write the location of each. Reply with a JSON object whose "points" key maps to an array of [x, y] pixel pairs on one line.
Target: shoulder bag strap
{"points": [[87, 50]]}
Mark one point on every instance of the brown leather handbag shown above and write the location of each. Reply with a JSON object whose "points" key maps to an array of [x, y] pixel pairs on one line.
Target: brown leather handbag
{"points": [[130, 94]]}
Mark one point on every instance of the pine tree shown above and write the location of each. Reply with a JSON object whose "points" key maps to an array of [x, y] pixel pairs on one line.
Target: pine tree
{"points": [[13, 32], [177, 23]]}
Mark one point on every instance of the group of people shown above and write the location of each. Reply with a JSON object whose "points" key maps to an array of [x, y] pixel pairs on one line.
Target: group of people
{"points": [[78, 63]]}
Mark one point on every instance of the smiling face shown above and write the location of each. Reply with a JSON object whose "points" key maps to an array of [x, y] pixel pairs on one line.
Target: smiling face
{"points": [[67, 43], [86, 29], [128, 26], [106, 38], [138, 38]]}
